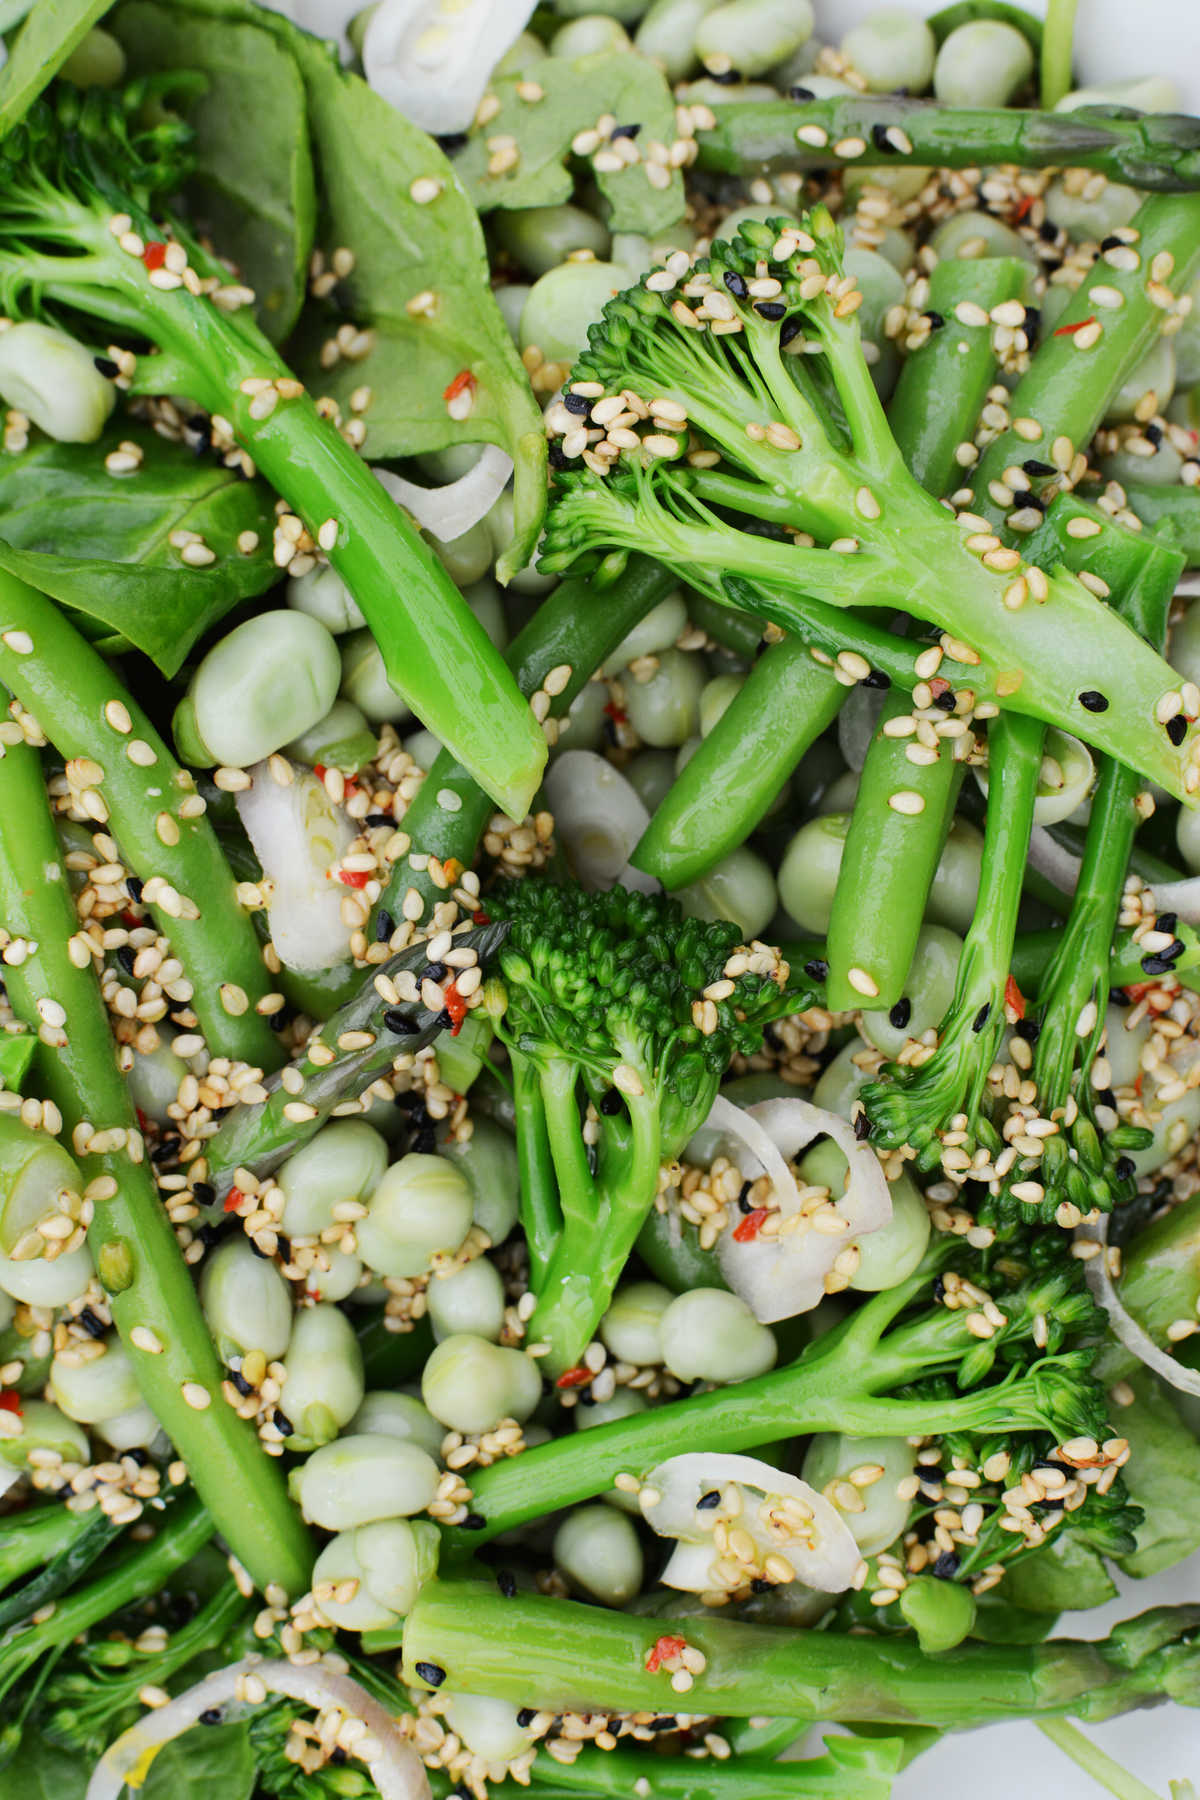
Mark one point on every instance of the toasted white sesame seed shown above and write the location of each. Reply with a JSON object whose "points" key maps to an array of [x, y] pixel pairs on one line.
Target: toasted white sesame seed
{"points": [[142, 1338], [814, 135], [19, 642], [968, 313], [868, 506], [862, 983], [1083, 528], [197, 1397], [424, 189], [906, 801]]}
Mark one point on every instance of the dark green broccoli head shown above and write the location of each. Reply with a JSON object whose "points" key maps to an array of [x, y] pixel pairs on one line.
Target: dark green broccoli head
{"points": [[116, 144], [632, 990]]}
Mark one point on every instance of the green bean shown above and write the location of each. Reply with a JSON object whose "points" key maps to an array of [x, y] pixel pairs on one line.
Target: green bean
{"points": [[171, 846], [984, 63], [892, 49], [154, 1305], [888, 861]]}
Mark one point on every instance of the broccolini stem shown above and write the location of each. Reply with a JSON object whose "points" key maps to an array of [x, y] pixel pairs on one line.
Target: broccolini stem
{"points": [[576, 627], [563, 1656], [1159, 151], [66, 1558], [259, 1137], [1057, 47], [1094, 346], [152, 809], [30, 1539], [154, 1303], [541, 1214]]}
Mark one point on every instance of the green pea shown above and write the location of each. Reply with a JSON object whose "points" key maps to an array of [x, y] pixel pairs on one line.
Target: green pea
{"points": [[890, 49], [385, 1413], [823, 87], [625, 10], [460, 1057], [716, 698], [651, 775], [345, 1160], [983, 63], [511, 298], [488, 1159], [521, 55], [898, 248], [338, 1280], [973, 234], [364, 681], [341, 740], [890, 1255], [591, 34], [954, 892], [469, 1299], [421, 1206], [667, 34], [564, 302], [598, 1550], [740, 887], [486, 601], [928, 988], [796, 69], [641, 254], [1094, 217], [941, 1613], [246, 1301], [632, 1327], [709, 1334], [666, 709], [542, 237], [324, 596], [831, 1459], [324, 1385], [363, 1477], [653, 634], [98, 61], [1154, 374], [752, 35], [136, 1429], [841, 793], [809, 871], [471, 1384], [263, 684]]}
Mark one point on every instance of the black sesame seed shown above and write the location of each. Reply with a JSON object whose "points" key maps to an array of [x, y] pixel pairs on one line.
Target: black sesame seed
{"points": [[526, 1716], [1153, 435], [862, 1127], [203, 1193], [506, 1581], [936, 320], [801, 93], [1106, 1097], [474, 1522], [384, 925], [1124, 1168], [620, 131], [138, 1455], [431, 1673], [240, 1383], [94, 1327], [770, 310], [816, 968], [211, 1716], [735, 283], [945, 702], [788, 330], [451, 142], [611, 1103], [399, 1022], [445, 1019], [982, 1016], [946, 1566], [1034, 466], [1031, 502], [1176, 728], [210, 1235], [577, 403], [1048, 231], [1093, 700], [744, 1202], [1155, 965], [278, 1021], [876, 679], [283, 1424], [558, 456], [939, 1290], [901, 1013], [1167, 922], [435, 971], [1110, 243], [106, 366], [338, 1757], [731, 78], [134, 886], [759, 1586], [425, 1142], [706, 1502], [166, 1149], [1029, 1029]]}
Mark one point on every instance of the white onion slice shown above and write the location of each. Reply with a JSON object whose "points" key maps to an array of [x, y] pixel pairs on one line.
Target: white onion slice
{"points": [[1061, 866], [433, 61], [450, 510], [598, 818], [394, 1765], [1135, 1338], [781, 1276], [297, 833], [829, 1561]]}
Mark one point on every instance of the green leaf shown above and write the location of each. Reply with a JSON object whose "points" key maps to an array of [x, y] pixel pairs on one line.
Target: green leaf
{"points": [[41, 1771], [1163, 1477], [51, 31], [575, 93], [1063, 1575], [101, 543], [211, 1762], [254, 189], [16, 1054]]}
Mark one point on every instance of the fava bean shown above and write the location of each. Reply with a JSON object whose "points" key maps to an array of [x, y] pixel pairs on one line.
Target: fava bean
{"points": [[324, 596], [344, 1161], [597, 1548], [711, 1335], [983, 63], [542, 237], [471, 1384], [362, 1478], [588, 35], [752, 35], [263, 684], [632, 1327], [421, 1207], [740, 887], [469, 1299], [892, 48], [323, 1388], [667, 34], [488, 1160]]}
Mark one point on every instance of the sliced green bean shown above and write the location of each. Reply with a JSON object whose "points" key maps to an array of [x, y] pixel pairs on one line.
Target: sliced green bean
{"points": [[150, 804]]}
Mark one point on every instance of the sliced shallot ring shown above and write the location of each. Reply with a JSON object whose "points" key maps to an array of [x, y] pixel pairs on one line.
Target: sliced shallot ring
{"points": [[393, 1764], [1135, 1337], [781, 1276], [450, 510]]}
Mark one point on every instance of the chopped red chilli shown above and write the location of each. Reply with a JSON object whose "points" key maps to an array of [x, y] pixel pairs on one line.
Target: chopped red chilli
{"points": [[750, 1226], [1014, 999], [665, 1649], [154, 256], [1070, 330]]}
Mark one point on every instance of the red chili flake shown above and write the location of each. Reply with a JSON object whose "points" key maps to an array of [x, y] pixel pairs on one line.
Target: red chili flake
{"points": [[665, 1650], [750, 1226], [354, 878], [480, 918], [233, 1199], [143, 1121], [1014, 999], [456, 1006], [616, 713], [1137, 990], [579, 1376], [462, 381], [319, 771], [154, 255], [938, 686], [1022, 209], [1070, 330], [10, 1401]]}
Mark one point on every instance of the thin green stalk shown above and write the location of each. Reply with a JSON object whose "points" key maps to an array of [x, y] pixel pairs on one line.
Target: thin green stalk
{"points": [[576, 627], [1093, 1761], [152, 809], [1156, 151], [561, 1655], [1058, 45], [30, 1539], [541, 1214], [136, 1253]]}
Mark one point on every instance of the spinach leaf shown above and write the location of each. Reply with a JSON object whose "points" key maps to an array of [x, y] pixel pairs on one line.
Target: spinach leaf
{"points": [[1063, 1575], [575, 94], [101, 543], [16, 1054], [51, 31], [254, 188], [212, 1762], [1163, 1477], [41, 1771]]}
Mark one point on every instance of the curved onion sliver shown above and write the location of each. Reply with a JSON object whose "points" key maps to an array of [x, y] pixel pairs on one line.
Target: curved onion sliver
{"points": [[598, 818], [433, 62], [394, 1765], [1135, 1337], [781, 1276], [450, 510], [1061, 866], [298, 833]]}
